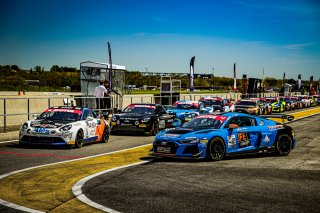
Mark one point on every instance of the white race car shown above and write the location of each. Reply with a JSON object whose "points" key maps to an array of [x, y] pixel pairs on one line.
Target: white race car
{"points": [[65, 126]]}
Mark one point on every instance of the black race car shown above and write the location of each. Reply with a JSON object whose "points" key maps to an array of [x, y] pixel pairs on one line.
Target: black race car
{"points": [[142, 118]]}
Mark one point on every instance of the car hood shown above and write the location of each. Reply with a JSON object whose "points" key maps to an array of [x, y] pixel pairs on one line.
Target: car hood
{"points": [[244, 106], [181, 110], [180, 132], [134, 116], [50, 124]]}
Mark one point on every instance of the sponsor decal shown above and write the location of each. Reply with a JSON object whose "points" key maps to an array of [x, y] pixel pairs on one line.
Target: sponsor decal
{"points": [[44, 125], [141, 106], [65, 110], [243, 139], [42, 131], [162, 124], [216, 117], [275, 127], [204, 140], [266, 139], [170, 135], [231, 141], [92, 124]]}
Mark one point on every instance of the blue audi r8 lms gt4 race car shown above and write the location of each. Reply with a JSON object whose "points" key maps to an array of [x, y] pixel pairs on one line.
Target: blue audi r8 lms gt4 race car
{"points": [[216, 136]]}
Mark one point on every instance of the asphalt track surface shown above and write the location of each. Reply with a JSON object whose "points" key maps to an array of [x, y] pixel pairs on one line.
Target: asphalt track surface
{"points": [[255, 183], [261, 183]]}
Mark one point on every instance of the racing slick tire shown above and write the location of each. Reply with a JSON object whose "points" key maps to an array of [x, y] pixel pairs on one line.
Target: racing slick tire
{"points": [[155, 128], [283, 144], [79, 139], [105, 136], [216, 149]]}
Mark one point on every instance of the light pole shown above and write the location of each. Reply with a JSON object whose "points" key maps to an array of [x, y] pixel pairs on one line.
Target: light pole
{"points": [[212, 77], [213, 72], [148, 75]]}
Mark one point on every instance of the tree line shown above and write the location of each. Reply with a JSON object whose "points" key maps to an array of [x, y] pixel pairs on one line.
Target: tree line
{"points": [[60, 77]]}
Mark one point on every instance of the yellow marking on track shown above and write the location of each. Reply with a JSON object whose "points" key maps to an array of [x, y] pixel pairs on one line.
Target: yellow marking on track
{"points": [[49, 188], [300, 114]]}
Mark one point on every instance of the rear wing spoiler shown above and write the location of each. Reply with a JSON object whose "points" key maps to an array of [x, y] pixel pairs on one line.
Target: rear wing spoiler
{"points": [[281, 116]]}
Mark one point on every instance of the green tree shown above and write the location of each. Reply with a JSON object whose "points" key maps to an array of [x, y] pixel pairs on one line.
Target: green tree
{"points": [[38, 69], [270, 81], [55, 68]]}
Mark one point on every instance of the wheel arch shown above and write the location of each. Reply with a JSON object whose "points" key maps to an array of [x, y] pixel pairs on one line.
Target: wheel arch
{"points": [[214, 137], [286, 131]]}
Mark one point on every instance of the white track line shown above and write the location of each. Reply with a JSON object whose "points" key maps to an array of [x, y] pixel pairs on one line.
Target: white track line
{"points": [[23, 208], [8, 141], [77, 191]]}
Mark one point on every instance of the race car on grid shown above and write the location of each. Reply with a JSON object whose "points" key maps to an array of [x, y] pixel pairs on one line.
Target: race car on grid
{"points": [[65, 126], [142, 118], [215, 136], [213, 104], [251, 106], [182, 107]]}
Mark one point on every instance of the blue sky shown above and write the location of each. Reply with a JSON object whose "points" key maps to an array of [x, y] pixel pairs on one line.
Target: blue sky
{"points": [[277, 35]]}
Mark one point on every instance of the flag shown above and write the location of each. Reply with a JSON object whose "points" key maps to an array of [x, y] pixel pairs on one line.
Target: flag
{"points": [[299, 81], [284, 77], [234, 78], [110, 66], [192, 73], [311, 81]]}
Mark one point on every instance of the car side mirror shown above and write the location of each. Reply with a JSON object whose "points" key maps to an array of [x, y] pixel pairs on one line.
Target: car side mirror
{"points": [[34, 116], [119, 111], [89, 119], [233, 126]]}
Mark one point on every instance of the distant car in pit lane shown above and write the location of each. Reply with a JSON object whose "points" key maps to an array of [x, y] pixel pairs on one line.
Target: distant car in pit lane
{"points": [[251, 106], [64, 126], [215, 136], [142, 118], [213, 104], [276, 104]]}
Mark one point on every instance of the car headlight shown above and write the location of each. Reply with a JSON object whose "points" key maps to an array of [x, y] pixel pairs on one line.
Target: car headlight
{"points": [[114, 118], [65, 128], [190, 140], [25, 126], [147, 119]]}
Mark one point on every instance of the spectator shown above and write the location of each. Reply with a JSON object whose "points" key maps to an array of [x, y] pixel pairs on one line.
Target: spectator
{"points": [[99, 94]]}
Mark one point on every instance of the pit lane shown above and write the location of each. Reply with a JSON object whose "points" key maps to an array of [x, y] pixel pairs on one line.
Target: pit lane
{"points": [[38, 156]]}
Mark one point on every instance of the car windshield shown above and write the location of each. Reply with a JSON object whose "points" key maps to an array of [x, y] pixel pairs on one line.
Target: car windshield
{"points": [[203, 123], [273, 101], [212, 102], [61, 116], [186, 106], [246, 103], [140, 109]]}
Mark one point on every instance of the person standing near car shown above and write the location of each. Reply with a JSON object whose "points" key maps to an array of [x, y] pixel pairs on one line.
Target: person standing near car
{"points": [[99, 94]]}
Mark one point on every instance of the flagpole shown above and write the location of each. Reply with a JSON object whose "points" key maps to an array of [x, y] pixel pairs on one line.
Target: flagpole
{"points": [[191, 75], [263, 82], [110, 67]]}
